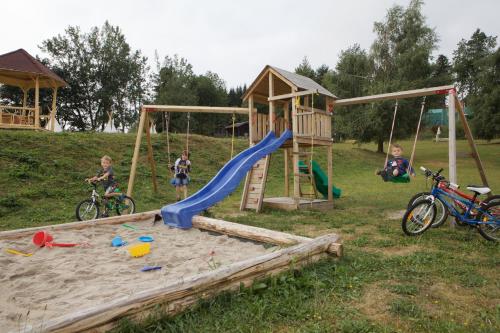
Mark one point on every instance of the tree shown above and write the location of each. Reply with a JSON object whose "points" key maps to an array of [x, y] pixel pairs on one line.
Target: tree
{"points": [[468, 59], [401, 55], [305, 69], [104, 75], [485, 102], [351, 78]]}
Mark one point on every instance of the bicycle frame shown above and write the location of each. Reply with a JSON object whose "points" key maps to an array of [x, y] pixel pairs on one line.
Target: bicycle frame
{"points": [[466, 217]]}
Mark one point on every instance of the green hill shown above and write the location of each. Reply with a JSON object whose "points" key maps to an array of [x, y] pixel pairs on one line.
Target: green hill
{"points": [[444, 281]]}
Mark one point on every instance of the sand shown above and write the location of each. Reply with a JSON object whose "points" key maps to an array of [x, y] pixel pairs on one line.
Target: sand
{"points": [[57, 281]]}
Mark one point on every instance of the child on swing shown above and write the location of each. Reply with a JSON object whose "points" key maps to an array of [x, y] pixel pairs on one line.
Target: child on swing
{"points": [[397, 166], [181, 168]]}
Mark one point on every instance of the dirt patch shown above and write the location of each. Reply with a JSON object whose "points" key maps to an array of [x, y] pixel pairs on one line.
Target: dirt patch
{"points": [[395, 215], [375, 304], [311, 230], [394, 250], [451, 300]]}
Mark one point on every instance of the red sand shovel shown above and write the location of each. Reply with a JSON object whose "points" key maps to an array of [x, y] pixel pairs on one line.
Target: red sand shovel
{"points": [[43, 238]]}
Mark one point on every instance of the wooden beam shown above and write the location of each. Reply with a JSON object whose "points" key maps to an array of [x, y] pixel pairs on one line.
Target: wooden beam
{"points": [[195, 109], [272, 114], [37, 102], [145, 216], [330, 172], [151, 158], [252, 121], [137, 148], [53, 111], [295, 143], [294, 94], [452, 143], [441, 90], [470, 140]]}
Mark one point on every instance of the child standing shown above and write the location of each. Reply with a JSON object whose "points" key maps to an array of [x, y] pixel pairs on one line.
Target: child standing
{"points": [[107, 176], [182, 168], [397, 166]]}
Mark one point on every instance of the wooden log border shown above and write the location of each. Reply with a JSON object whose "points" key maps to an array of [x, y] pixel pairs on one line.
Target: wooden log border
{"points": [[175, 297]]}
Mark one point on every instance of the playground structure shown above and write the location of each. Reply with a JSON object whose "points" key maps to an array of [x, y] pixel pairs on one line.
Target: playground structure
{"points": [[296, 125], [174, 296], [288, 120], [20, 69]]}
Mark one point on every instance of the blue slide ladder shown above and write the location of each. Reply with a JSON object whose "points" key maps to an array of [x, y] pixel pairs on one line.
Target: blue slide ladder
{"points": [[225, 182]]}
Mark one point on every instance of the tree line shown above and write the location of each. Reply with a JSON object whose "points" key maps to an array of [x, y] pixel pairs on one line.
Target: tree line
{"points": [[106, 76]]}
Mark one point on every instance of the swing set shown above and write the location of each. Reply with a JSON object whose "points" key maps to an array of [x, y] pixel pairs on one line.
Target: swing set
{"points": [[145, 124], [454, 106]]}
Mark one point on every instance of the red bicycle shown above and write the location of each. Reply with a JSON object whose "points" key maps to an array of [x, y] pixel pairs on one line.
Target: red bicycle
{"points": [[442, 211]]}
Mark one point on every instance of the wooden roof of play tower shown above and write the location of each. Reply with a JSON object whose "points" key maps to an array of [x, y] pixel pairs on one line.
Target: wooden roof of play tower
{"points": [[284, 82]]}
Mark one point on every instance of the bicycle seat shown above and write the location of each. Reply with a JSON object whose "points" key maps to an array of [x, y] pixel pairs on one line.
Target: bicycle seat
{"points": [[479, 189]]}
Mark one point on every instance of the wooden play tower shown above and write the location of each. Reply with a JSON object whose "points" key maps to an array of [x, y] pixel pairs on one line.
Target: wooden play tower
{"points": [[280, 100]]}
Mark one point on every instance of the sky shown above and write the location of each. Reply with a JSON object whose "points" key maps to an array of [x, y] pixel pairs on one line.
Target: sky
{"points": [[234, 38]]}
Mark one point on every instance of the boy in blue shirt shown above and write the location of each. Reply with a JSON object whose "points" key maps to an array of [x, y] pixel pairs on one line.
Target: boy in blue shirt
{"points": [[397, 166]]}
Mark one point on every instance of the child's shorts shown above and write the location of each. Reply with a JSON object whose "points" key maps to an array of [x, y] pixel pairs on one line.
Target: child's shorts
{"points": [[176, 181], [111, 188]]}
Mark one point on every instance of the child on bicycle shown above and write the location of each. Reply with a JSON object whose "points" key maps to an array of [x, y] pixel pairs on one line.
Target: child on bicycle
{"points": [[397, 166], [107, 177], [181, 168]]}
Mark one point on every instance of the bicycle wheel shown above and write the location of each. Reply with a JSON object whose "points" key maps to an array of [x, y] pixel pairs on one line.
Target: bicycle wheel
{"points": [[125, 206], [87, 210], [419, 217], [442, 210], [493, 198], [490, 218]]}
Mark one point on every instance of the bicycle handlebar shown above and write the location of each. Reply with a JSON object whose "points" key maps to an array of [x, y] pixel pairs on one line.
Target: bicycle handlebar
{"points": [[435, 175]]}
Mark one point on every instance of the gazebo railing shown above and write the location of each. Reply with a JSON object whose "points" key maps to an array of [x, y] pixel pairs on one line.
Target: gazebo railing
{"points": [[17, 116]]}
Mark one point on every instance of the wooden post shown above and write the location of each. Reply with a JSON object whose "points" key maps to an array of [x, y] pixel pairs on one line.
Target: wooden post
{"points": [[452, 148], [330, 172], [137, 148], [286, 151], [295, 167], [53, 112], [25, 98], [272, 113], [151, 158], [252, 117], [37, 106], [470, 139]]}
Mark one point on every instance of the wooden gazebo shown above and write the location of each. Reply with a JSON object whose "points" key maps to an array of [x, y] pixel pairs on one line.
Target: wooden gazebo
{"points": [[20, 69]]}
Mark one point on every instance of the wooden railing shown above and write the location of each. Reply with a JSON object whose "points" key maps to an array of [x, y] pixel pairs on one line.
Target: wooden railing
{"points": [[313, 123], [17, 116], [262, 126]]}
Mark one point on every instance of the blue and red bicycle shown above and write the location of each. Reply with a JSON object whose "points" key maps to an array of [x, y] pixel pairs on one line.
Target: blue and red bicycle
{"points": [[467, 210]]}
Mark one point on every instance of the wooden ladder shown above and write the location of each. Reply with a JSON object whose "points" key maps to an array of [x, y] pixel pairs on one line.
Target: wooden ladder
{"points": [[255, 185], [309, 177]]}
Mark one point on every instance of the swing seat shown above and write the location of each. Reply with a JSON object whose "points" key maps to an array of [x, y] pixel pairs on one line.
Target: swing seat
{"points": [[405, 178]]}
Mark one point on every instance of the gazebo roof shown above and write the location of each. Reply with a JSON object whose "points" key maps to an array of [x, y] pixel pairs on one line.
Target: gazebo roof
{"points": [[285, 81], [19, 68]]}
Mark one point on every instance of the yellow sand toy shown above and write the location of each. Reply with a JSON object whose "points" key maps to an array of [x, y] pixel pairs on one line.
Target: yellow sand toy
{"points": [[139, 250]]}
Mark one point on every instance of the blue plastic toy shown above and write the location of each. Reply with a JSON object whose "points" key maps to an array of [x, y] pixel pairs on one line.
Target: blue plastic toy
{"points": [[117, 242], [146, 239], [150, 268]]}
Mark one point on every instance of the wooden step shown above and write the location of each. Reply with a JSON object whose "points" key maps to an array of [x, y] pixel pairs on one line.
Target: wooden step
{"points": [[253, 193]]}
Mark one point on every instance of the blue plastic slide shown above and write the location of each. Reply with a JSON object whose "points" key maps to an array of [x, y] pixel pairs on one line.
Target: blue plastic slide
{"points": [[224, 183]]}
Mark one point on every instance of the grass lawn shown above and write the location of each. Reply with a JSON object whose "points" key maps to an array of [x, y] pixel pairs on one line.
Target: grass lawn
{"points": [[444, 281]]}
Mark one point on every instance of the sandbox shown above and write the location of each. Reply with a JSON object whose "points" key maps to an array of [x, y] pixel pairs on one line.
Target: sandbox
{"points": [[91, 288]]}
